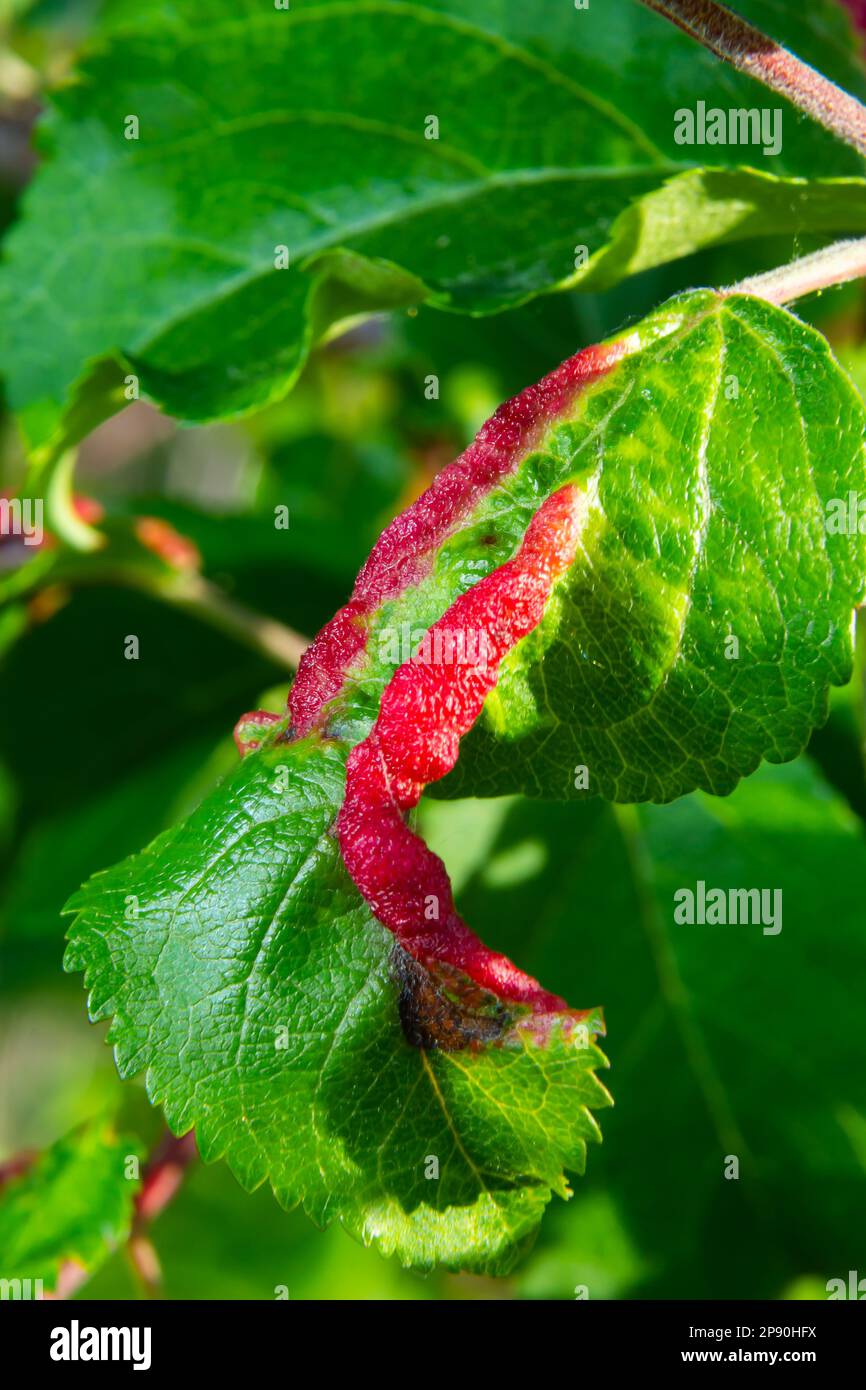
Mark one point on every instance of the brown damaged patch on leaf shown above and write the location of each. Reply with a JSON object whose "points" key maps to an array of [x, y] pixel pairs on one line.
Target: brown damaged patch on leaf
{"points": [[447, 1011]]}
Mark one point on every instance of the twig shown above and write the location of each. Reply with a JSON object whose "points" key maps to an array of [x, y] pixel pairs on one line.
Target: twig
{"points": [[16, 1165], [266, 636], [834, 265], [163, 1175], [746, 48], [162, 1179]]}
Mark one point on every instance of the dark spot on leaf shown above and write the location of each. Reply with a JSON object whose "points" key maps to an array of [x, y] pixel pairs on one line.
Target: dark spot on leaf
{"points": [[445, 1011]]}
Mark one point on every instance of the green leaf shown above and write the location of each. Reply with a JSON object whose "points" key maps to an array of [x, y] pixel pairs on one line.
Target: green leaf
{"points": [[74, 1204], [171, 271], [710, 605], [715, 525], [217, 1241], [247, 979]]}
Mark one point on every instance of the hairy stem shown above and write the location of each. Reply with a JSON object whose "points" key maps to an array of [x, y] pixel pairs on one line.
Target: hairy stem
{"points": [[833, 265], [160, 1184], [746, 48]]}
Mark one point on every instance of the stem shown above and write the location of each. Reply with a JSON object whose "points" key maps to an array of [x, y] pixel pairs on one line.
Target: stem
{"points": [[746, 48], [162, 1180], [163, 1176], [834, 265], [160, 1184], [62, 518]]}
